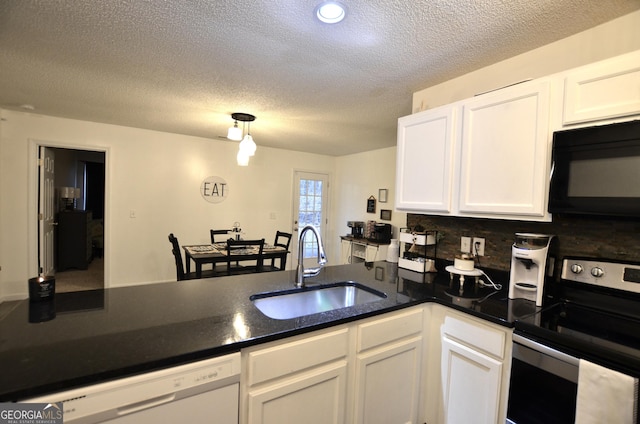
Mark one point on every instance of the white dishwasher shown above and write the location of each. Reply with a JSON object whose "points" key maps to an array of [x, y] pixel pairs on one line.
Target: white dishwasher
{"points": [[200, 392]]}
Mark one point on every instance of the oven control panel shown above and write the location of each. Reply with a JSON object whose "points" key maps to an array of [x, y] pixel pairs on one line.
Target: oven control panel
{"points": [[602, 273]]}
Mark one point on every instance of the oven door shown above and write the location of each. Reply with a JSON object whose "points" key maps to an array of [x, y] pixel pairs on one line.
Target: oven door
{"points": [[543, 384]]}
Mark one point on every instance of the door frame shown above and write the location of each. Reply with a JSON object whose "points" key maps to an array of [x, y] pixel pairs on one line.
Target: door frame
{"points": [[32, 201], [295, 228]]}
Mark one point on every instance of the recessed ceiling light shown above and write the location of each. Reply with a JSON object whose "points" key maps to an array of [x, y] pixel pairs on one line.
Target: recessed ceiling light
{"points": [[331, 12]]}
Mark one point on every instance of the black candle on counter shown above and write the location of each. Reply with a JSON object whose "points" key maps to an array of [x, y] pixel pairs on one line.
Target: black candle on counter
{"points": [[42, 311], [42, 288]]}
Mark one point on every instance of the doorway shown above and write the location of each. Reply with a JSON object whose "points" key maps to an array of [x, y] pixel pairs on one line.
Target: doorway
{"points": [[71, 204], [310, 198]]}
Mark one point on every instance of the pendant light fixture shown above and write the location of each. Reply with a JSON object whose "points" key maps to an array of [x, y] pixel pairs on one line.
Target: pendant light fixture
{"points": [[234, 132], [247, 146]]}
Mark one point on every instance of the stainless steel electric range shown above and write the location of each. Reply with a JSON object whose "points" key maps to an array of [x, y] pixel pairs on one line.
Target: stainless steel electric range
{"points": [[593, 314]]}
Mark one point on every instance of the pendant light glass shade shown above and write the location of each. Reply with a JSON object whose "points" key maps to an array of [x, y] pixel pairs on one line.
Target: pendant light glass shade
{"points": [[248, 146], [242, 158], [234, 132]]}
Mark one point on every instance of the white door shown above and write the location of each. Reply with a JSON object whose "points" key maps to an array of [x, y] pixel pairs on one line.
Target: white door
{"points": [[310, 195], [46, 211]]}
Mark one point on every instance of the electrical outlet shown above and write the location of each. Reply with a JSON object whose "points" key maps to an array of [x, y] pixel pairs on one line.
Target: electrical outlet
{"points": [[465, 244], [478, 246]]}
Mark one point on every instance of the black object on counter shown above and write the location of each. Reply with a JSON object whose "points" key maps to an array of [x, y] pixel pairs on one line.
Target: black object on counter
{"points": [[42, 311], [42, 288]]}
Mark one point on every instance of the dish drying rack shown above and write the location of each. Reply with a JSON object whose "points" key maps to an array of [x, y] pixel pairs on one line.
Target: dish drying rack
{"points": [[418, 250]]}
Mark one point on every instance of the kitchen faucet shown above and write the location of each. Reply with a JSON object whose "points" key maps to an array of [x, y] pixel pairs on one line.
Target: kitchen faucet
{"points": [[301, 272]]}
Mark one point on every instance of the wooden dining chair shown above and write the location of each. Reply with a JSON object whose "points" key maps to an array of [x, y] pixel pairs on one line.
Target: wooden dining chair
{"points": [[282, 240], [224, 235], [234, 247], [177, 254]]}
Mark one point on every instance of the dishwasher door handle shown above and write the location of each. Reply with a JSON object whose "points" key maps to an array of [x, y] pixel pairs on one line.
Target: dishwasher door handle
{"points": [[145, 404]]}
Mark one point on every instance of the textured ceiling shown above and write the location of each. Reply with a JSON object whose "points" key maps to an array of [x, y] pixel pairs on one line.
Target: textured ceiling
{"points": [[184, 66]]}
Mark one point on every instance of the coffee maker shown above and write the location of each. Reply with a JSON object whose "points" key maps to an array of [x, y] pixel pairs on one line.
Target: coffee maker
{"points": [[528, 266], [381, 233], [357, 228]]}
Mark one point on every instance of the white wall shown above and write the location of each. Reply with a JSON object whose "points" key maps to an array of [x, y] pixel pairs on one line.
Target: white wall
{"points": [[155, 174], [360, 176], [610, 39]]}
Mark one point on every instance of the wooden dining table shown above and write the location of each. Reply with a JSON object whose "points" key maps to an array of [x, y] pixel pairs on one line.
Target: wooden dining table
{"points": [[215, 253]]}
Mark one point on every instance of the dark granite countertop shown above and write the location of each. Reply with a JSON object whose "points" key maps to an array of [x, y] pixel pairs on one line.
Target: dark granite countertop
{"points": [[106, 334]]}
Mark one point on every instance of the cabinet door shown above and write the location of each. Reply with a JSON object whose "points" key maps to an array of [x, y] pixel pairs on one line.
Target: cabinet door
{"points": [[346, 251], [316, 397], [505, 153], [606, 89], [371, 254], [470, 384], [388, 383], [425, 160]]}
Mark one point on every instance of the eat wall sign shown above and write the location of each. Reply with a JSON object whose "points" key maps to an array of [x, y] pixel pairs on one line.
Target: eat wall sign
{"points": [[214, 189]]}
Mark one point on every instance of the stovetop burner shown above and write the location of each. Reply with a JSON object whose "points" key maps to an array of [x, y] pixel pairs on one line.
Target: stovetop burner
{"points": [[594, 313]]}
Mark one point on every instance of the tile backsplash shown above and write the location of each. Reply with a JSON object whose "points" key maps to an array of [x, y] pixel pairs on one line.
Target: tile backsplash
{"points": [[575, 235]]}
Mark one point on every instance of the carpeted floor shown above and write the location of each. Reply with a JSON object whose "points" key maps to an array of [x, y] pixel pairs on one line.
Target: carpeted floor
{"points": [[76, 280]]}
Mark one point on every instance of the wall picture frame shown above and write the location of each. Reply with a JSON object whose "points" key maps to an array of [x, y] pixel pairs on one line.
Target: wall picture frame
{"points": [[385, 214], [382, 195], [371, 205]]}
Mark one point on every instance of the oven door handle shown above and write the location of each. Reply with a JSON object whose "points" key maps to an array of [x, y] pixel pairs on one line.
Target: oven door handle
{"points": [[546, 358], [546, 350]]}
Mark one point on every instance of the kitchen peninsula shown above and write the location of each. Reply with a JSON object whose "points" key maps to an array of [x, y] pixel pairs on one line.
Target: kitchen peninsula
{"points": [[106, 334]]}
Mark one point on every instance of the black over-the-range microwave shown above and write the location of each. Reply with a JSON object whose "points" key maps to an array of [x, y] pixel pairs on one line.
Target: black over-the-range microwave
{"points": [[596, 170]]}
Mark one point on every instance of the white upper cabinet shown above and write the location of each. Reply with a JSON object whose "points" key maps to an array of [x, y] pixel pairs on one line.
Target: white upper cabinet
{"points": [[603, 90], [505, 153], [425, 160], [492, 162], [490, 156]]}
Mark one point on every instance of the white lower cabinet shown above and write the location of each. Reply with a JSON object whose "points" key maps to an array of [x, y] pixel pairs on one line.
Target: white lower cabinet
{"points": [[475, 365], [316, 397], [424, 364], [365, 372], [376, 252], [361, 250], [387, 372], [298, 380], [470, 384]]}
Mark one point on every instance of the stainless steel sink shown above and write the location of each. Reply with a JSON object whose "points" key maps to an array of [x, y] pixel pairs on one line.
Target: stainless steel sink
{"points": [[299, 302]]}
